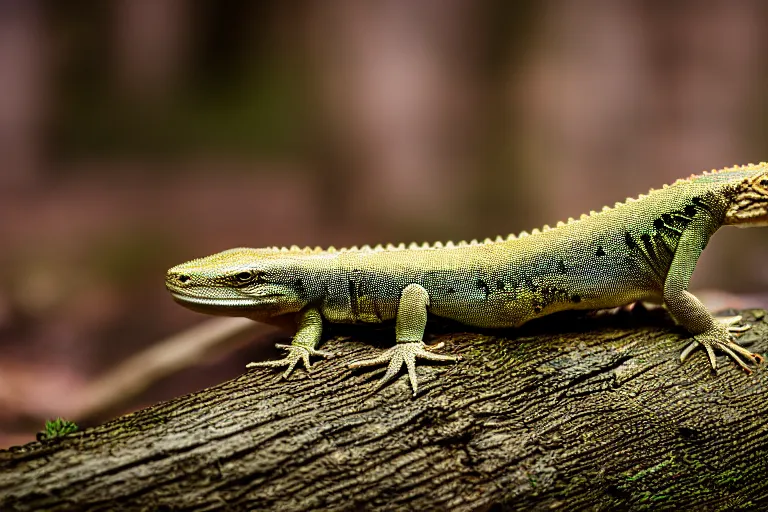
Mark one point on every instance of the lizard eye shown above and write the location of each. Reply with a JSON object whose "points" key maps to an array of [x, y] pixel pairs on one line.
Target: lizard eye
{"points": [[244, 276], [764, 182]]}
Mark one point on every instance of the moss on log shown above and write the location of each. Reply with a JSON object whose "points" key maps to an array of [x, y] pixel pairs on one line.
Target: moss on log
{"points": [[572, 413]]}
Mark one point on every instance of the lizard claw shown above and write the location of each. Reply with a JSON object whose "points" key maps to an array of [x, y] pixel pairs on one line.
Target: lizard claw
{"points": [[722, 339], [404, 353], [730, 324], [296, 353]]}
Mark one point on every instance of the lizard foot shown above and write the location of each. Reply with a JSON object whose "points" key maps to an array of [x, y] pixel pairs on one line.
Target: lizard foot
{"points": [[296, 353], [721, 338], [404, 353]]}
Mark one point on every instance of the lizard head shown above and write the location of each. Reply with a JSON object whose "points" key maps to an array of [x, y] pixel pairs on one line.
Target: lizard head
{"points": [[253, 283], [749, 206]]}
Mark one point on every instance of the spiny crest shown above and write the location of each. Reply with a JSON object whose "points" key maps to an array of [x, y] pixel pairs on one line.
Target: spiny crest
{"points": [[749, 167], [736, 173], [536, 231], [294, 249], [592, 213], [762, 166]]}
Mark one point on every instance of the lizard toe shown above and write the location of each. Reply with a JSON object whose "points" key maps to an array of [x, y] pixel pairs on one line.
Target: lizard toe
{"points": [[296, 353], [731, 324]]}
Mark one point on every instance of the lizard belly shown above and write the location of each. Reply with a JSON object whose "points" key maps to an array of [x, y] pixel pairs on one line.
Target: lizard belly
{"points": [[538, 284], [513, 308]]}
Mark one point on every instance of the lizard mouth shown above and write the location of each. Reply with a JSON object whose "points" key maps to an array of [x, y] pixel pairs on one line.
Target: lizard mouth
{"points": [[225, 302]]}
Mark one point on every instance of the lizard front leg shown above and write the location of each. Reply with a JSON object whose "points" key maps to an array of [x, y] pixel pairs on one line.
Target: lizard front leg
{"points": [[409, 331], [707, 331], [309, 328]]}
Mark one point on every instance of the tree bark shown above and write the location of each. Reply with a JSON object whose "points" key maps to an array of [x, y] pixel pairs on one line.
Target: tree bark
{"points": [[573, 412]]}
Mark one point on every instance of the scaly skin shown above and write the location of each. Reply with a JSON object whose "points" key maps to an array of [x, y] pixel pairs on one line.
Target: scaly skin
{"points": [[642, 249]]}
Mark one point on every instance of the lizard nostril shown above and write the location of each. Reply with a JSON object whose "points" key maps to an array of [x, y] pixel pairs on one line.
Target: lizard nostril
{"points": [[183, 279]]}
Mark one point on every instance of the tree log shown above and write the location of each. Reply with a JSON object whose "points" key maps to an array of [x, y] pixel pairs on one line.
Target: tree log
{"points": [[572, 412]]}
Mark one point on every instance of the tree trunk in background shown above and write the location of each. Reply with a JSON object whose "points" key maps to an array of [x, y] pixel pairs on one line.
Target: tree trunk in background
{"points": [[595, 414], [151, 46], [23, 91], [398, 87]]}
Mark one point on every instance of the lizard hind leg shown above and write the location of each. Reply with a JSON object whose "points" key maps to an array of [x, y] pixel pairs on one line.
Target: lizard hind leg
{"points": [[409, 329], [722, 338]]}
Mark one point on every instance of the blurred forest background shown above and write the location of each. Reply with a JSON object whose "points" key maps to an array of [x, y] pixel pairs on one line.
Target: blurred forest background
{"points": [[137, 134]]}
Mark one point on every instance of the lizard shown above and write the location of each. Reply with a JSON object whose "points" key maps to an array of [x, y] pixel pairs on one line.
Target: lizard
{"points": [[642, 249]]}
